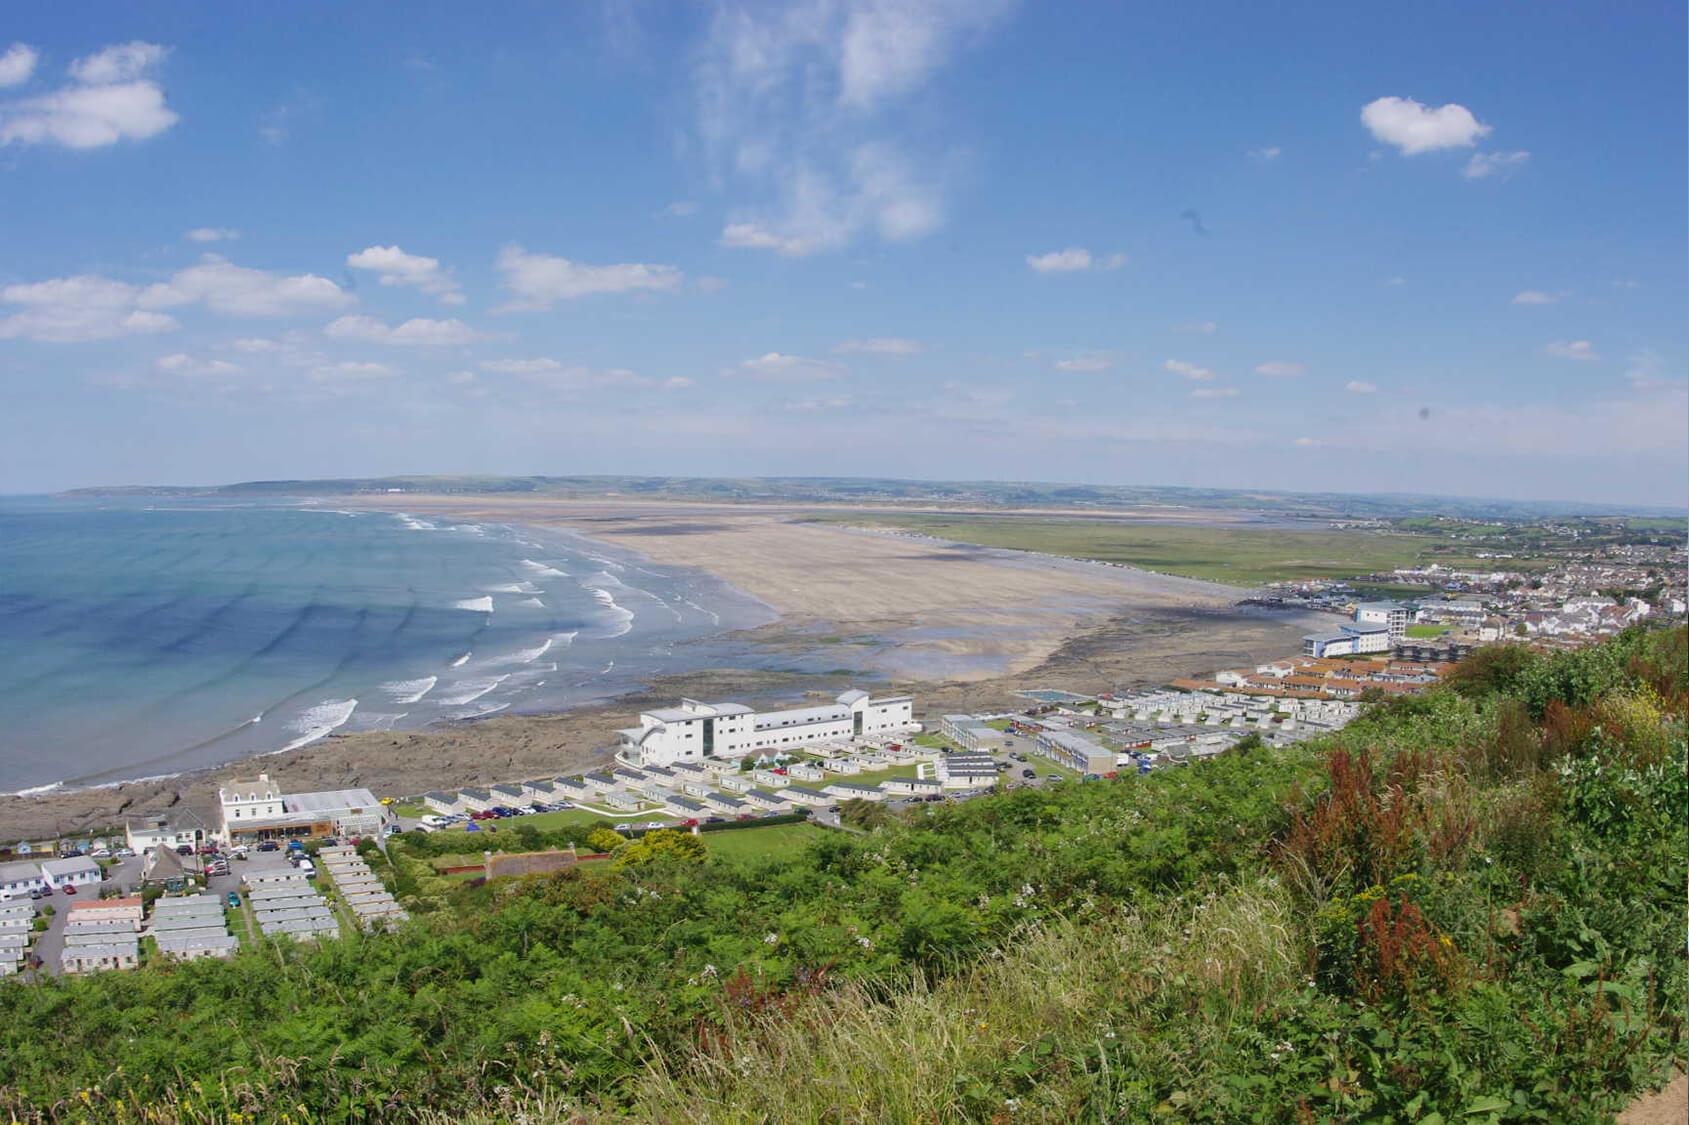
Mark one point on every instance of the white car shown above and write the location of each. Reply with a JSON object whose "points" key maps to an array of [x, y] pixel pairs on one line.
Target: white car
{"points": [[434, 821]]}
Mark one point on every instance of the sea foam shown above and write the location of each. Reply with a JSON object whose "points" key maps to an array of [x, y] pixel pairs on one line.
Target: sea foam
{"points": [[320, 721], [409, 691], [476, 605]]}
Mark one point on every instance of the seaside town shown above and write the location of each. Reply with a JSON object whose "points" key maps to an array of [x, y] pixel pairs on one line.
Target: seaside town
{"points": [[198, 884]]}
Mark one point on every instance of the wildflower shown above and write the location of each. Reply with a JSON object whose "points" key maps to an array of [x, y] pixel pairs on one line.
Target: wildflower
{"points": [[771, 939]]}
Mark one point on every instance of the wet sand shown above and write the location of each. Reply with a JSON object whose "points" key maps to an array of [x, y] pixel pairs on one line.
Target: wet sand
{"points": [[963, 628]]}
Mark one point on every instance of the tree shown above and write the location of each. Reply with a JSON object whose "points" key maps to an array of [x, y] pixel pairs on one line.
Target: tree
{"points": [[604, 840], [664, 843], [866, 815]]}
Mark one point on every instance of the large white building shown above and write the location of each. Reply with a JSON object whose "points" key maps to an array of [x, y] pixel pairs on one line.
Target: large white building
{"points": [[256, 809], [694, 731]]}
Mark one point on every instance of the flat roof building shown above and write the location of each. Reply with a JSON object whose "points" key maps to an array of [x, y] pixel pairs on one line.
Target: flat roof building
{"points": [[696, 731]]}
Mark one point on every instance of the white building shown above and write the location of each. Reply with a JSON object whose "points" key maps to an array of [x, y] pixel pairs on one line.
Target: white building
{"points": [[967, 771], [1392, 615], [183, 829], [18, 879], [696, 731], [257, 809], [1348, 640], [77, 871]]}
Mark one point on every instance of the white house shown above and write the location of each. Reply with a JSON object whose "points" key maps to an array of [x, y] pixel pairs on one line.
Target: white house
{"points": [[967, 771], [257, 809], [184, 829], [77, 871], [695, 731], [1392, 615], [19, 879]]}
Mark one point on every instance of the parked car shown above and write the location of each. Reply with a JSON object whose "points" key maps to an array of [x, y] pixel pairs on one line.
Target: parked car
{"points": [[654, 824], [69, 888], [1029, 773], [100, 853], [41, 892], [184, 849], [269, 846]]}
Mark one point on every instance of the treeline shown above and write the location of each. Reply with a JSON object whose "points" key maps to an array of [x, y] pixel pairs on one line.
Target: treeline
{"points": [[1468, 904]]}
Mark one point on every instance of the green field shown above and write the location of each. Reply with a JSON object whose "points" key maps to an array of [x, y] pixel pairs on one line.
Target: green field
{"points": [[1426, 630], [749, 843], [1240, 556]]}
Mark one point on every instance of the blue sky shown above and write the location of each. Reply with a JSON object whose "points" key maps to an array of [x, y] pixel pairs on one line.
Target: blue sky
{"points": [[1436, 249]]}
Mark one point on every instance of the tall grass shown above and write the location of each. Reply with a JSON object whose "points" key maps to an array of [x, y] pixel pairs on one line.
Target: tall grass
{"points": [[1048, 1027]]}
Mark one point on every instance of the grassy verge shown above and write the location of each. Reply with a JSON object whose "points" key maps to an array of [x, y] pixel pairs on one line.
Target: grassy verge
{"points": [[751, 843]]}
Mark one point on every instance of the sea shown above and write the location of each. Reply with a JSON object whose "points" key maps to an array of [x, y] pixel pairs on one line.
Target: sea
{"points": [[143, 637]]}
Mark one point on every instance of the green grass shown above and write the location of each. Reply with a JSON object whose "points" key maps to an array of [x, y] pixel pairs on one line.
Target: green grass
{"points": [[1239, 556], [1426, 630], [749, 843]]}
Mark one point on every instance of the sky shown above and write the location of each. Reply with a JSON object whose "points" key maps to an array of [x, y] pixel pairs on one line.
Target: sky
{"points": [[1432, 248]]}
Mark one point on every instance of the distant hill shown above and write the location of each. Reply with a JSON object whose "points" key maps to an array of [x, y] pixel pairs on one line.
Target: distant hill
{"points": [[875, 490]]}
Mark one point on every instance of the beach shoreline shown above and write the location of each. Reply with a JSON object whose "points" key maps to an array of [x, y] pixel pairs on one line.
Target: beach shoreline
{"points": [[960, 627]]}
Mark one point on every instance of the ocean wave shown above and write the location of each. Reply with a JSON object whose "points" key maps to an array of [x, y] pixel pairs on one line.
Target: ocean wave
{"points": [[468, 691], [622, 616], [462, 660], [379, 720], [533, 603], [527, 655], [35, 790], [714, 616], [604, 578], [514, 588], [476, 605], [478, 712], [410, 691], [543, 570], [415, 524], [320, 721]]}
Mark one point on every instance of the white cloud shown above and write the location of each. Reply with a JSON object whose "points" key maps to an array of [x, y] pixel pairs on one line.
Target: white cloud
{"points": [[1571, 349], [812, 405], [676, 383], [545, 371], [1198, 327], [777, 368], [1535, 297], [533, 366], [1280, 369], [109, 101], [395, 267], [180, 363], [1266, 153], [749, 236], [255, 345], [1414, 128], [1188, 370], [349, 371], [416, 332], [1360, 387], [121, 62], [71, 309], [1215, 392], [879, 192], [231, 290], [795, 109], [681, 209], [881, 345], [1073, 260], [211, 234], [1085, 363], [17, 64], [1486, 164], [1647, 372], [535, 281]]}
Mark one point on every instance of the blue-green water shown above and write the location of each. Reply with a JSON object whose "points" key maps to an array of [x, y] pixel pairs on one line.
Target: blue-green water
{"points": [[144, 638]]}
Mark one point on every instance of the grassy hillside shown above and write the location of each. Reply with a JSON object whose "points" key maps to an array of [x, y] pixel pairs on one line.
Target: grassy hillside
{"points": [[1468, 905]]}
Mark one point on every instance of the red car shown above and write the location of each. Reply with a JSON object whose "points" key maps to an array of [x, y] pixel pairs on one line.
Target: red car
{"points": [[68, 889]]}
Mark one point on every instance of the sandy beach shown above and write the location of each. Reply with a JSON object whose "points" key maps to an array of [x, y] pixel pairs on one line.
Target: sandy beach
{"points": [[962, 627]]}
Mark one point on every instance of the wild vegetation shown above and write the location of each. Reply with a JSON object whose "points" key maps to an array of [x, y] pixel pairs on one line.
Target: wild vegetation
{"points": [[1467, 905]]}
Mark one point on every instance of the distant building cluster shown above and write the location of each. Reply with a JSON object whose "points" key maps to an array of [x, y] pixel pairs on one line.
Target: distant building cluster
{"points": [[694, 731]]}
